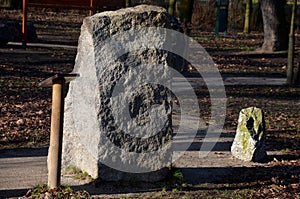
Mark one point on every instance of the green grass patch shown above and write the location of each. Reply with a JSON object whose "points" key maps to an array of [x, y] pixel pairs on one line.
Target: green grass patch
{"points": [[77, 173]]}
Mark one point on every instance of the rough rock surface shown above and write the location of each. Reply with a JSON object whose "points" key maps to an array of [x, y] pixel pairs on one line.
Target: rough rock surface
{"points": [[249, 141], [12, 31], [110, 131]]}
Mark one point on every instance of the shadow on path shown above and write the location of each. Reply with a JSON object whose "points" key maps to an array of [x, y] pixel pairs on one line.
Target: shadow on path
{"points": [[23, 152], [242, 174], [13, 193]]}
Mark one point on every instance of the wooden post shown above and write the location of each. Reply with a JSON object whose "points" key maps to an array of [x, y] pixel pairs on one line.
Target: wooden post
{"points": [[55, 148], [24, 22], [56, 134]]}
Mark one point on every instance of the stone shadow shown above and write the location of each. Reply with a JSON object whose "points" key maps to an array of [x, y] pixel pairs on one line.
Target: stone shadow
{"points": [[196, 176]]}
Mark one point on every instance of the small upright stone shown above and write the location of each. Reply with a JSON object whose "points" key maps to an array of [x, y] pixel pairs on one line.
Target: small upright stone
{"points": [[249, 141]]}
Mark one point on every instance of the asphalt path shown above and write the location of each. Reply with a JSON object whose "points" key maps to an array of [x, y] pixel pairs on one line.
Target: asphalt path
{"points": [[22, 169]]}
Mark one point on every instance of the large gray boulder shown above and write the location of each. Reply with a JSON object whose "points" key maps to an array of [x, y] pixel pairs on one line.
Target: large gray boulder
{"points": [[249, 141], [117, 122]]}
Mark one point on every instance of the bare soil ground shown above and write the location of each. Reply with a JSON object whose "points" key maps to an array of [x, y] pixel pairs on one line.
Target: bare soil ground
{"points": [[25, 107]]}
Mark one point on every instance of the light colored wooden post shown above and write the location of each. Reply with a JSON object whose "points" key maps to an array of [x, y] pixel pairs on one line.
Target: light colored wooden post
{"points": [[55, 149], [57, 117]]}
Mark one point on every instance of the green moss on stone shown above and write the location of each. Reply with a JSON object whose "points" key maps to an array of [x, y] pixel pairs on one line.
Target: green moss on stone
{"points": [[245, 139]]}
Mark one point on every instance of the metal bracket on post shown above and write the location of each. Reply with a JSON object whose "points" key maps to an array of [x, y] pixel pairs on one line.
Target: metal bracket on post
{"points": [[57, 82]]}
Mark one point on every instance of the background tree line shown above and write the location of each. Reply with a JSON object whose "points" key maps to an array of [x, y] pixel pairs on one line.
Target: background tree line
{"points": [[252, 14]]}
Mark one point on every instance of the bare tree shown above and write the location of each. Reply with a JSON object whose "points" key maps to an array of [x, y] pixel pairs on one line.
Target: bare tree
{"points": [[248, 13], [275, 26], [171, 9], [185, 14], [128, 3], [290, 66], [297, 77]]}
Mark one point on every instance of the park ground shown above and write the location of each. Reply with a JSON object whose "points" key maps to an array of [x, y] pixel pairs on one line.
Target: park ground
{"points": [[25, 107]]}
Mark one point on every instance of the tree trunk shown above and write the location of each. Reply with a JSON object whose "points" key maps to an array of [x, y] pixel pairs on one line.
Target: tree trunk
{"points": [[248, 16], [13, 4], [128, 3], [185, 14], [297, 76], [256, 17], [275, 28], [171, 8], [290, 64]]}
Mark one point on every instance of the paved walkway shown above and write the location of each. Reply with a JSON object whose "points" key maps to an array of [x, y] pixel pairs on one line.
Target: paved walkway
{"points": [[21, 169]]}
